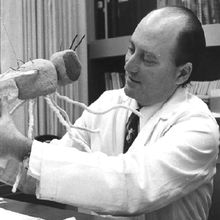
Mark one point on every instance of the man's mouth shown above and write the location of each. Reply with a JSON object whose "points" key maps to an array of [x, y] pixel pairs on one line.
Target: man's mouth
{"points": [[132, 80]]}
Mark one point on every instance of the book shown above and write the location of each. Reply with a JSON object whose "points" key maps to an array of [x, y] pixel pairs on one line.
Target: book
{"points": [[122, 79], [112, 8], [100, 19], [115, 80], [204, 88], [108, 81], [125, 20], [214, 11], [124, 15], [206, 12], [192, 5], [161, 3], [174, 2], [143, 7]]}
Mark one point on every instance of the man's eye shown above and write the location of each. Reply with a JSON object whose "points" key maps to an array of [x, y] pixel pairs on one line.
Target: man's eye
{"points": [[131, 50], [149, 60]]}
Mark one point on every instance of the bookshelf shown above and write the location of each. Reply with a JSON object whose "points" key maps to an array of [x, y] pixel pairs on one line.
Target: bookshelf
{"points": [[107, 55], [117, 46]]}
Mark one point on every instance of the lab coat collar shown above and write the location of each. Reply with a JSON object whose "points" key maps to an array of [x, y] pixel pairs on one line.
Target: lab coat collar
{"points": [[167, 109], [171, 106]]}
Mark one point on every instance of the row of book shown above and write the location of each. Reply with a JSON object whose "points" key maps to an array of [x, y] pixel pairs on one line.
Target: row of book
{"points": [[119, 17], [208, 11], [114, 80], [115, 18], [205, 89], [208, 91]]}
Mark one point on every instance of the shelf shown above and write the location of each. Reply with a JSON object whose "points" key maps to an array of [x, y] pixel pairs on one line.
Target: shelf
{"points": [[108, 47], [118, 46]]}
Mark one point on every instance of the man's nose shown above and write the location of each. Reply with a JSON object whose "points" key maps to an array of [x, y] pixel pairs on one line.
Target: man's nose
{"points": [[131, 64]]}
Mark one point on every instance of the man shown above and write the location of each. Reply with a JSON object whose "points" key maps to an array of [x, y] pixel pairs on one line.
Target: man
{"points": [[167, 172]]}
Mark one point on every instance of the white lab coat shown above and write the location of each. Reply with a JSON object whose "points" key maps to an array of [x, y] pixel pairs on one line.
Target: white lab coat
{"points": [[166, 174]]}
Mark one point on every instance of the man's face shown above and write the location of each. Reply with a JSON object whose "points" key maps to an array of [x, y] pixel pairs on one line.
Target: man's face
{"points": [[151, 73]]}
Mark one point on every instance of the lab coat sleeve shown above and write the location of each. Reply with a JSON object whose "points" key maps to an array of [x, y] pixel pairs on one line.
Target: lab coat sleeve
{"points": [[144, 179], [81, 139]]}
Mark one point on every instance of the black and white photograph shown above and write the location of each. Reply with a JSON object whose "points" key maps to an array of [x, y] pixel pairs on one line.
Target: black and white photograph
{"points": [[109, 109]]}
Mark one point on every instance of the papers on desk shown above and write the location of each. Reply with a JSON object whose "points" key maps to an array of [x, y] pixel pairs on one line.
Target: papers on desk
{"points": [[71, 218], [9, 215]]}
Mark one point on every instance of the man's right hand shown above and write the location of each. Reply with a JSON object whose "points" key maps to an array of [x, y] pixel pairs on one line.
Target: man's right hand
{"points": [[12, 142]]}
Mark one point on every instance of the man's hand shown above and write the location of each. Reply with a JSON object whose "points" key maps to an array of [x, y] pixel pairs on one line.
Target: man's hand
{"points": [[12, 142]]}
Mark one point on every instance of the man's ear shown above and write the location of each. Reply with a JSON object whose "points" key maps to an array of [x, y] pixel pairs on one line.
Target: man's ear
{"points": [[184, 73]]}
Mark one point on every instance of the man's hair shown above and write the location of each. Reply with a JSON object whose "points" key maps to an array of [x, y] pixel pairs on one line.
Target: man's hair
{"points": [[190, 44]]}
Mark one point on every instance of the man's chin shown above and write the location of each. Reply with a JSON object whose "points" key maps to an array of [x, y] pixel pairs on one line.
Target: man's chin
{"points": [[128, 91]]}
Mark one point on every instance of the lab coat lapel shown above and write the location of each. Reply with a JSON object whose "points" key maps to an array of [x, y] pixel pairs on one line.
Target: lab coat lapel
{"points": [[160, 117], [120, 118], [111, 138]]}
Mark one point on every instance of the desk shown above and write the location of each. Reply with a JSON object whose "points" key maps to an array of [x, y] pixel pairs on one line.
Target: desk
{"points": [[46, 212]]}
